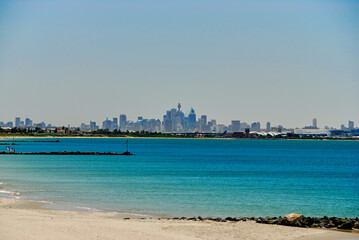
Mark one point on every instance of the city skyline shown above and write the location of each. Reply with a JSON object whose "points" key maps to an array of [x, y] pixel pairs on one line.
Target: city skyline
{"points": [[253, 60], [174, 120]]}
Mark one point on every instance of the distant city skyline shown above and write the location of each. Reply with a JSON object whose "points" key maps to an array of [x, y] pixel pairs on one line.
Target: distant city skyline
{"points": [[174, 120], [66, 62], [99, 119]]}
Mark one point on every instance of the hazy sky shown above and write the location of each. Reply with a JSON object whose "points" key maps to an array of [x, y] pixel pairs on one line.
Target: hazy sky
{"points": [[67, 62]]}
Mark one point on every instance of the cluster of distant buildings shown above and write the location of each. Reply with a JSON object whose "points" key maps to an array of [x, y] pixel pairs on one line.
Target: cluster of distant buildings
{"points": [[176, 121], [18, 123]]}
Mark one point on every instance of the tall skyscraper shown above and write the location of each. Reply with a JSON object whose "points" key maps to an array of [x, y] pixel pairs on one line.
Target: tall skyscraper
{"points": [[203, 123], [204, 119], [93, 126], [351, 125], [236, 125], [268, 127], [314, 123], [123, 121], [256, 126], [192, 119], [114, 123], [28, 122], [17, 122], [107, 124]]}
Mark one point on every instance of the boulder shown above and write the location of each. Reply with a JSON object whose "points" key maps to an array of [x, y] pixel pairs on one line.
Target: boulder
{"points": [[218, 219], [273, 221], [322, 224], [315, 225], [356, 225], [346, 225], [293, 217], [259, 220], [330, 225]]}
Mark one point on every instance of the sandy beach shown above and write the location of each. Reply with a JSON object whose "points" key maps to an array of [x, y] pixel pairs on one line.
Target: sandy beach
{"points": [[27, 220]]}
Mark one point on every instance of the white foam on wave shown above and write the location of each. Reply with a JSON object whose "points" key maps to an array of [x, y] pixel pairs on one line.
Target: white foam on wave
{"points": [[4, 191], [88, 209], [10, 194], [39, 201]]}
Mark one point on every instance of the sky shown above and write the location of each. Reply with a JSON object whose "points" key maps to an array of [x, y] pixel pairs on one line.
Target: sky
{"points": [[67, 62]]}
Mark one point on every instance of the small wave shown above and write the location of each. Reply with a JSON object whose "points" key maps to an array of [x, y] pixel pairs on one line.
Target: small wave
{"points": [[10, 194], [41, 201], [135, 214], [4, 191], [88, 209], [33, 190]]}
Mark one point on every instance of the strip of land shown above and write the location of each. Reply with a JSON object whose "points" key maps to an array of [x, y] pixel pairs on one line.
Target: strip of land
{"points": [[27, 220], [64, 153]]}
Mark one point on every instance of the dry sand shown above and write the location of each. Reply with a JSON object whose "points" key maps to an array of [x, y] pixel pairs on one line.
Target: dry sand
{"points": [[27, 221]]}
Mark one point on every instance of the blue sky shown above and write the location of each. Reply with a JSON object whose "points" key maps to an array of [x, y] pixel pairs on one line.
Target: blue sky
{"points": [[68, 62]]}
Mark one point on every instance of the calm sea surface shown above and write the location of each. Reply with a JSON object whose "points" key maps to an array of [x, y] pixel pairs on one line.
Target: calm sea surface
{"points": [[191, 177]]}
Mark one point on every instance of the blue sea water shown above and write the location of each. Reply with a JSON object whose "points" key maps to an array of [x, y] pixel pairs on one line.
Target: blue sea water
{"points": [[191, 177]]}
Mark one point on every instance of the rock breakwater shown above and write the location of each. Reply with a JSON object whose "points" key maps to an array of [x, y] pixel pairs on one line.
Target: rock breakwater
{"points": [[294, 220], [65, 153]]}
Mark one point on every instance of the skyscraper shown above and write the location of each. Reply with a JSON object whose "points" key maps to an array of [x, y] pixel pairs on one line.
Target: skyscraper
{"points": [[256, 126], [204, 119], [202, 123], [93, 126], [17, 121], [192, 119], [314, 123], [351, 125], [28, 122], [236, 125], [114, 123], [268, 127], [123, 121], [107, 124]]}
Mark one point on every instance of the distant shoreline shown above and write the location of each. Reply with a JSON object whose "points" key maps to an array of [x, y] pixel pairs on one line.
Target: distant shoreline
{"points": [[7, 138]]}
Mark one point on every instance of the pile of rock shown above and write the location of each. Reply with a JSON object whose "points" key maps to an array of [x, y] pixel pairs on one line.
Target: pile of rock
{"points": [[299, 220], [293, 219]]}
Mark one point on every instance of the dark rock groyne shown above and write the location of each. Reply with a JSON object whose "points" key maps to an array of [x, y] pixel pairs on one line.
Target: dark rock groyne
{"points": [[65, 153], [294, 220], [11, 141]]}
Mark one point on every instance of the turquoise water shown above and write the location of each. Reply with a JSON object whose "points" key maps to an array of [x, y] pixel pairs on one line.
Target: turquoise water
{"points": [[191, 177]]}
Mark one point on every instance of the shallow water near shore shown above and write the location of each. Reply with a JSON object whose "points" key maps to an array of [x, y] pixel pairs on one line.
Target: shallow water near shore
{"points": [[191, 177]]}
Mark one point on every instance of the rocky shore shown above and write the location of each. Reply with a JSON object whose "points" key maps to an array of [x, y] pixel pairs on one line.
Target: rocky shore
{"points": [[293, 219]]}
